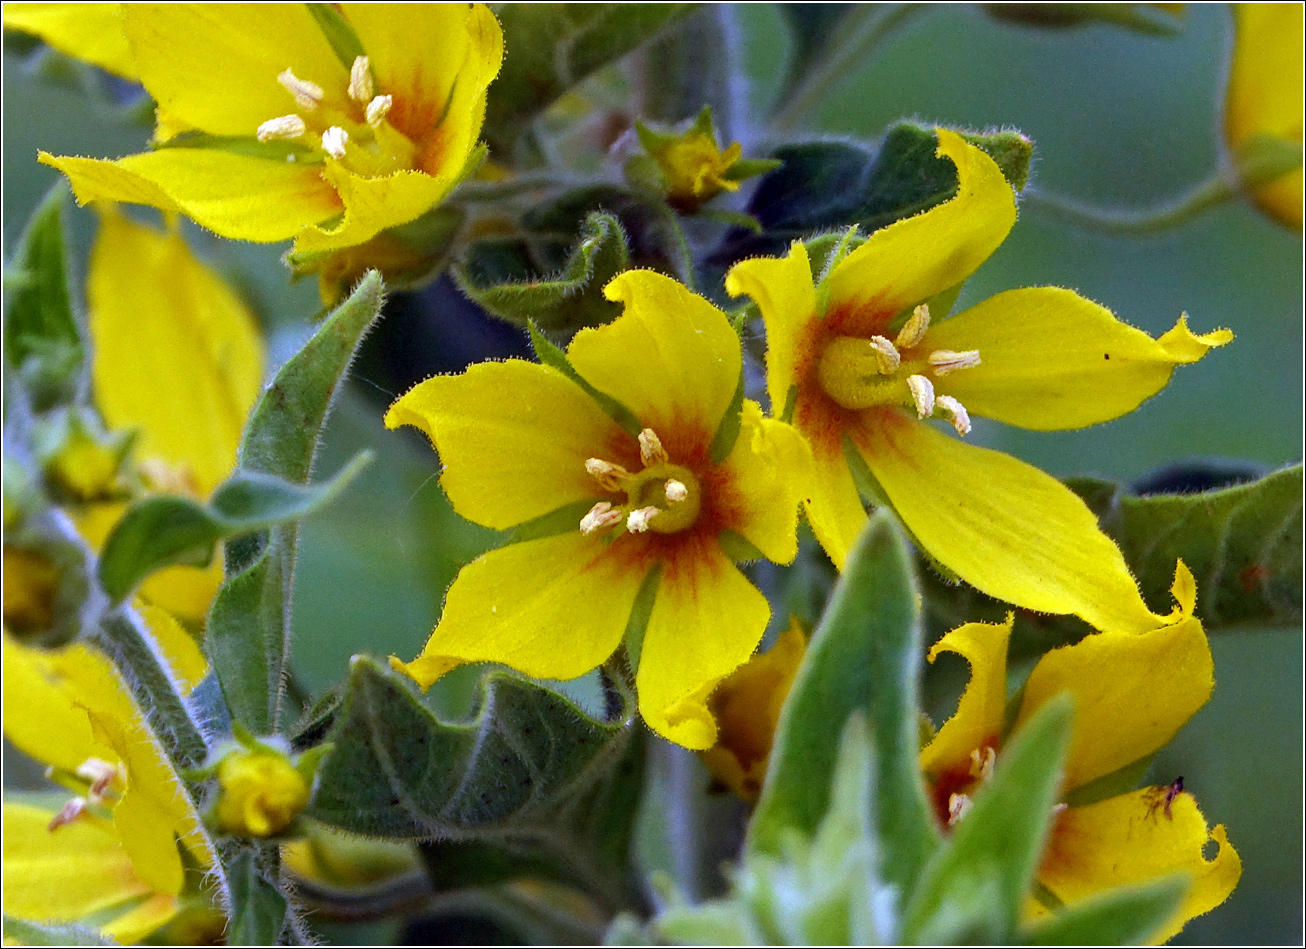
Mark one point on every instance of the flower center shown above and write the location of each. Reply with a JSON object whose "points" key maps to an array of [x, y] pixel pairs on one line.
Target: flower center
{"points": [[859, 373], [349, 127], [661, 497]]}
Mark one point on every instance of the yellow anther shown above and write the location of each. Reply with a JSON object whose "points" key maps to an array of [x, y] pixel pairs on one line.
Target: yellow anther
{"points": [[609, 476], [675, 491], [956, 413], [360, 80], [651, 451], [638, 520], [887, 359], [378, 109], [67, 814], [913, 331], [334, 140], [600, 515], [922, 393], [308, 95], [958, 805], [944, 361], [283, 126]]}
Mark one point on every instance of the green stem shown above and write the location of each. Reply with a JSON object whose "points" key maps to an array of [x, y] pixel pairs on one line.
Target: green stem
{"points": [[860, 30], [688, 275]]}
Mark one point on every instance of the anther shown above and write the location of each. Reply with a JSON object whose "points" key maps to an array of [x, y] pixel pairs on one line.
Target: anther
{"points": [[67, 814], [886, 356], [981, 760], [608, 475], [944, 361], [100, 773], [956, 413], [675, 491], [638, 520], [651, 451], [283, 126], [333, 141], [360, 79], [600, 515], [308, 95], [377, 110], [958, 805], [922, 393], [913, 331]]}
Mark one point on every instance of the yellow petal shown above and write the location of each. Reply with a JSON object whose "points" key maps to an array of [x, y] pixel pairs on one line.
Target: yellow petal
{"points": [[88, 31], [671, 357], [1131, 839], [237, 196], [179, 647], [40, 716], [834, 508], [65, 875], [782, 289], [1052, 359], [1124, 709], [214, 66], [1003, 526], [910, 261], [134, 925], [178, 356], [185, 592], [553, 608], [978, 720], [374, 204], [770, 469], [707, 619], [510, 459]]}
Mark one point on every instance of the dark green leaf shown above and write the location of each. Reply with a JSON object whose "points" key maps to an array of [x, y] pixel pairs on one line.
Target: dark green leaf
{"points": [[246, 631], [22, 932], [531, 780], [974, 886], [1124, 917], [865, 654], [563, 303], [258, 910], [161, 531]]}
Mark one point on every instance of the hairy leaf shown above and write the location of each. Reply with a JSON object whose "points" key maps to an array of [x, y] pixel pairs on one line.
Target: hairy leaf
{"points": [[1129, 916], [22, 932], [258, 910]]}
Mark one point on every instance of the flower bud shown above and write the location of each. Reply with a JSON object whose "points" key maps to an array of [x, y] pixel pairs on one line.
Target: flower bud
{"points": [[260, 792]]}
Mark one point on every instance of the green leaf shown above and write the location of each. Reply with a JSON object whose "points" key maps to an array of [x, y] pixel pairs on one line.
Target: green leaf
{"points": [[564, 303], [551, 355], [23, 932], [973, 888], [1129, 916], [258, 910], [531, 781], [161, 531], [1144, 18], [553, 47], [865, 654], [41, 338]]}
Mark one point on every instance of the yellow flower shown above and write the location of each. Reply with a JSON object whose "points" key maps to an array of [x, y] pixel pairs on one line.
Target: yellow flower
{"points": [[177, 357], [1132, 691], [88, 31], [267, 132], [1264, 106], [522, 441], [111, 853], [747, 709], [693, 168], [860, 361], [260, 793]]}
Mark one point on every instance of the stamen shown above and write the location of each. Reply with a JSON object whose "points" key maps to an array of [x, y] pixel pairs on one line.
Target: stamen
{"points": [[600, 515], [333, 141], [675, 491], [67, 814], [377, 110], [308, 95], [922, 393], [637, 523], [651, 451], [283, 126], [956, 413], [958, 805], [608, 475], [944, 361], [360, 79], [913, 331], [886, 357], [981, 760], [100, 773]]}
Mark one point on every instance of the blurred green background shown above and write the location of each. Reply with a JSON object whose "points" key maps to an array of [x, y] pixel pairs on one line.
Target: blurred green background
{"points": [[1117, 119]]}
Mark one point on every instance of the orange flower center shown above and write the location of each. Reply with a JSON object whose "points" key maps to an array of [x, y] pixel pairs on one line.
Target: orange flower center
{"points": [[661, 497]]}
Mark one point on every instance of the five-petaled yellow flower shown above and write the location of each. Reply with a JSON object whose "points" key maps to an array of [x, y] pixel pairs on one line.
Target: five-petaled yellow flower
{"points": [[109, 857], [268, 129], [652, 500], [1132, 691], [860, 361]]}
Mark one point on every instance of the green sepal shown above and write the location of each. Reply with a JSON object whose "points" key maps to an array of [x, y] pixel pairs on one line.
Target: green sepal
{"points": [[258, 909], [23, 932], [569, 301], [166, 530], [974, 886], [561, 520], [338, 32], [1145, 18], [247, 145], [640, 612], [552, 355], [1128, 916], [727, 432]]}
